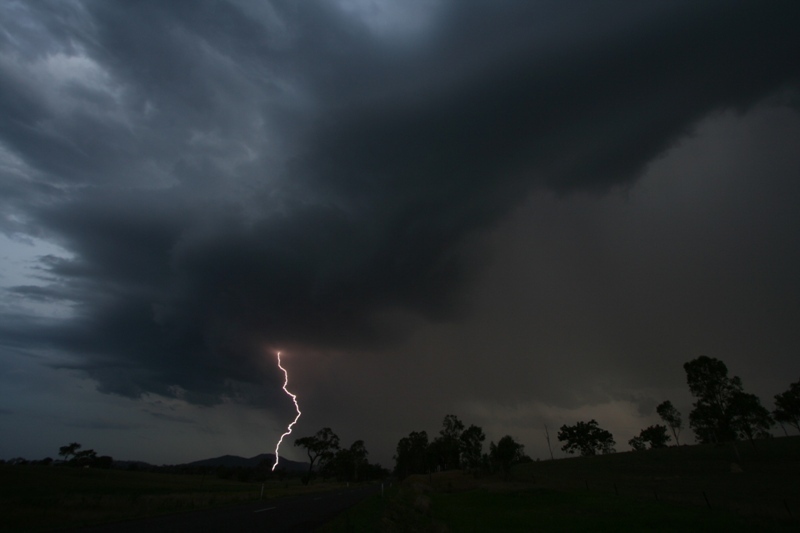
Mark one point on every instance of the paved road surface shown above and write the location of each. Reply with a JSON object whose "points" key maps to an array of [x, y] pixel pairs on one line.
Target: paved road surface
{"points": [[290, 514]]}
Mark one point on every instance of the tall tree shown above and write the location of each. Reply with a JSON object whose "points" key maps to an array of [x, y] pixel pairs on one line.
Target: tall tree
{"points": [[85, 457], [358, 456], [322, 446], [448, 444], [348, 464], [672, 417], [638, 444], [69, 450], [506, 452], [749, 418], [656, 436], [472, 446], [787, 406], [712, 418], [412, 455], [587, 438]]}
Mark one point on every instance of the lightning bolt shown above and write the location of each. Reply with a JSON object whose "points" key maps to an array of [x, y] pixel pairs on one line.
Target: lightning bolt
{"points": [[296, 406]]}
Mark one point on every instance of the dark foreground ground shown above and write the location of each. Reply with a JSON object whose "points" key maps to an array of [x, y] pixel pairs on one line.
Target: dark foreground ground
{"points": [[289, 514], [738, 487]]}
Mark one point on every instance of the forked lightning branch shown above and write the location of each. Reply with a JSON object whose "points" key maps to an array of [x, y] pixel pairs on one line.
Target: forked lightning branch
{"points": [[296, 406]]}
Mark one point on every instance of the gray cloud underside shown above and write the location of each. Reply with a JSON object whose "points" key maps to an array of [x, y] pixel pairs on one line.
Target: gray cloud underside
{"points": [[227, 183]]}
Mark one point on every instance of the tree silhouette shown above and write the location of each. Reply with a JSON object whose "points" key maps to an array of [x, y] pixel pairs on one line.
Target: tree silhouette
{"points": [[412, 455], [321, 446], [472, 446], [656, 436], [73, 455], [358, 456], [447, 446], [68, 450], [787, 406], [672, 417], [85, 457], [638, 444], [587, 438], [712, 418], [749, 418], [348, 464], [506, 452]]}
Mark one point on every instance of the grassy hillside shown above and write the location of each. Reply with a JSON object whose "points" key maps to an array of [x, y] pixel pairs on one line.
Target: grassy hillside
{"points": [[691, 488], [762, 480]]}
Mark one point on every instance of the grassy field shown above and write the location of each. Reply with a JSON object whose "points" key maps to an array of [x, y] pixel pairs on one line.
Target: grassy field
{"points": [[692, 488], [41, 498], [545, 510], [760, 481]]}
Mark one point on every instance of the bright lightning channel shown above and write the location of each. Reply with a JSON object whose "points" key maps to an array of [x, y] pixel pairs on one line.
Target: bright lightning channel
{"points": [[296, 406]]}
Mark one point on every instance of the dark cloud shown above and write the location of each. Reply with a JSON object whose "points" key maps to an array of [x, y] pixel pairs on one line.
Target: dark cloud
{"points": [[102, 425], [37, 292], [228, 184], [170, 418]]}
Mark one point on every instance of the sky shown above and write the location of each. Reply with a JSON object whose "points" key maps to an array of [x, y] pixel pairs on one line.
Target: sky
{"points": [[525, 214]]}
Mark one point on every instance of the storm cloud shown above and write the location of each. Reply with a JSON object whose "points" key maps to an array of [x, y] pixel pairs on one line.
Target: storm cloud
{"points": [[230, 178]]}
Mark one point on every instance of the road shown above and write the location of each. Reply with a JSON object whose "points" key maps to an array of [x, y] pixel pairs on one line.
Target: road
{"points": [[289, 514]]}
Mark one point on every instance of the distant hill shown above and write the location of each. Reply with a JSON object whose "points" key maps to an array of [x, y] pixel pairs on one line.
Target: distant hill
{"points": [[234, 461], [131, 465]]}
